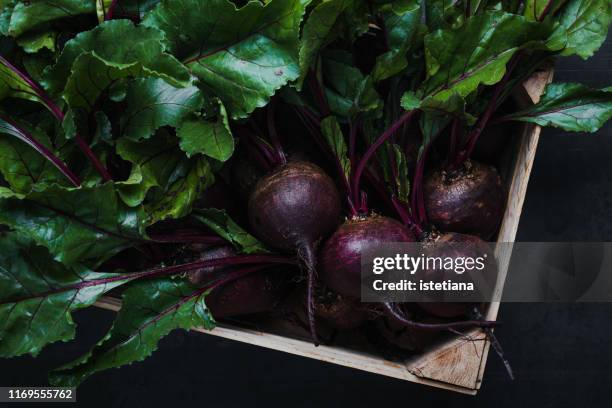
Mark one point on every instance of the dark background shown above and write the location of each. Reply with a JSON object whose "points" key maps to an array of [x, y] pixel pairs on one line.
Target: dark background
{"points": [[561, 354]]}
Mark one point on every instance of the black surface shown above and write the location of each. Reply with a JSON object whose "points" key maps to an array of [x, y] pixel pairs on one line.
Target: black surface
{"points": [[562, 354]]}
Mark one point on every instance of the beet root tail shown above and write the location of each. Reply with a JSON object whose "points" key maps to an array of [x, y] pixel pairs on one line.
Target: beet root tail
{"points": [[307, 255], [496, 345], [400, 317]]}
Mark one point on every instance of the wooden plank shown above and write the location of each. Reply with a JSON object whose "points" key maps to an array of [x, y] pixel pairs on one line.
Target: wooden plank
{"points": [[534, 87], [334, 355], [457, 362], [456, 365]]}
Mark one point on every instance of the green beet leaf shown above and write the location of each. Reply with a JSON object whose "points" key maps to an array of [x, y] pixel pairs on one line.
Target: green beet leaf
{"points": [[347, 90], [537, 10], [153, 103], [442, 14], [452, 104], [459, 60], [15, 85], [151, 309], [94, 59], [23, 160], [178, 198], [403, 28], [156, 163], [28, 15], [318, 29], [222, 224], [571, 107], [335, 139], [6, 10], [23, 166], [38, 40], [38, 295], [86, 225], [212, 138], [581, 27], [402, 182], [133, 9], [242, 55], [162, 178]]}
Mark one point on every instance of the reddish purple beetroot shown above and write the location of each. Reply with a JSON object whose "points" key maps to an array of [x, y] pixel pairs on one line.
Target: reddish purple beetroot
{"points": [[341, 254], [469, 200], [338, 311], [455, 245], [291, 209], [254, 293]]}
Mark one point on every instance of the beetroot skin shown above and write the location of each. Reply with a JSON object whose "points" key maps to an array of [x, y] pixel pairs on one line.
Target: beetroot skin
{"points": [[341, 255], [294, 206], [469, 200], [254, 293], [338, 311], [470, 246]]}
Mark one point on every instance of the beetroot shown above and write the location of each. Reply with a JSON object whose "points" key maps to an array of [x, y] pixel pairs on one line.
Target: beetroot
{"points": [[469, 246], [469, 200], [291, 209], [338, 311], [255, 293], [294, 207], [341, 254]]}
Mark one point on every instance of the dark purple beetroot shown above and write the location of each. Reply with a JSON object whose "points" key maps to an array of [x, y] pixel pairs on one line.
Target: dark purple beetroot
{"points": [[338, 311], [200, 252], [291, 209], [254, 293], [466, 246], [469, 200], [294, 206], [340, 256]]}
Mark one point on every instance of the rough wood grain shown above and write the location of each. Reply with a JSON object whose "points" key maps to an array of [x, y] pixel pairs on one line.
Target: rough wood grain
{"points": [[456, 365], [457, 362]]}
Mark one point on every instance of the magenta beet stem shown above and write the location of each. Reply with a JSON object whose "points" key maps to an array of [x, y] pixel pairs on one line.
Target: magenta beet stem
{"points": [[59, 115], [372, 149], [40, 148]]}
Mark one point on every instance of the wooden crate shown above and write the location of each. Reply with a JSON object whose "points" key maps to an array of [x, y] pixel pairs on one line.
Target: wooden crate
{"points": [[457, 364]]}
